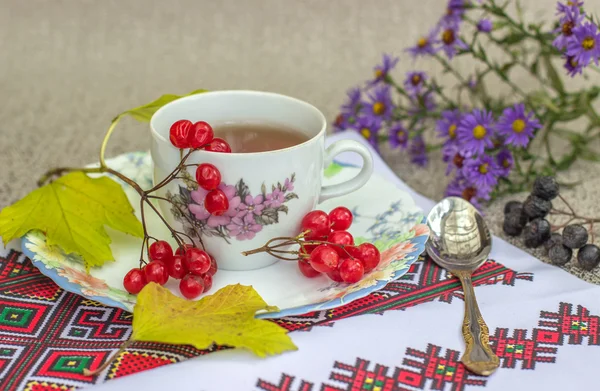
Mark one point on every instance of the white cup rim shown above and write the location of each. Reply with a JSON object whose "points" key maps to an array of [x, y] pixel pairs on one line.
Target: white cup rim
{"points": [[204, 95]]}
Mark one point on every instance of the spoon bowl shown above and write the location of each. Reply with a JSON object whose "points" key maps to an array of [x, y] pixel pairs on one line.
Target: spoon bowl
{"points": [[460, 241]]}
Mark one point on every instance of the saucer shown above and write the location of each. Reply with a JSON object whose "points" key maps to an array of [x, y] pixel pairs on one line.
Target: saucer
{"points": [[383, 215]]}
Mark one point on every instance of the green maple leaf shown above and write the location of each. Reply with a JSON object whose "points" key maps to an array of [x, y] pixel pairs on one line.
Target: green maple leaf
{"points": [[73, 212]]}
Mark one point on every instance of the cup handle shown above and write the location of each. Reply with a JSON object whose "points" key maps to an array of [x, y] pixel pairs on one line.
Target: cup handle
{"points": [[355, 183]]}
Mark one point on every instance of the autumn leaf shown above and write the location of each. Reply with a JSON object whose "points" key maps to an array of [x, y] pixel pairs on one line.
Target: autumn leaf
{"points": [[224, 318], [73, 212], [145, 112]]}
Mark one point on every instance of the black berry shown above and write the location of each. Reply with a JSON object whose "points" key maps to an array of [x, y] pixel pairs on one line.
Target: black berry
{"points": [[514, 223], [559, 254], [512, 206], [555, 239], [536, 233], [575, 236], [545, 187], [536, 207], [588, 256]]}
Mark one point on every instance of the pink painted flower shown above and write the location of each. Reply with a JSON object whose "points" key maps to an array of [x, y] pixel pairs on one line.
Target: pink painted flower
{"points": [[234, 201], [198, 209], [396, 252], [275, 199], [288, 185], [252, 205], [244, 228], [421, 229]]}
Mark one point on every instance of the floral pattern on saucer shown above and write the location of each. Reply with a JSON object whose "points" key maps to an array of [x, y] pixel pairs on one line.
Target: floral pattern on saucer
{"points": [[247, 213], [398, 231], [68, 272]]}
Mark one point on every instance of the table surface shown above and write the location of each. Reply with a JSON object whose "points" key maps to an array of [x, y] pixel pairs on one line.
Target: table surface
{"points": [[544, 324]]}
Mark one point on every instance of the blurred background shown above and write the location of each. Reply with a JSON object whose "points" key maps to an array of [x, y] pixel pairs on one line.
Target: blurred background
{"points": [[67, 67]]}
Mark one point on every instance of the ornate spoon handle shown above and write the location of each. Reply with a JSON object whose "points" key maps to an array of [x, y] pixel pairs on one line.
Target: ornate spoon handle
{"points": [[478, 356]]}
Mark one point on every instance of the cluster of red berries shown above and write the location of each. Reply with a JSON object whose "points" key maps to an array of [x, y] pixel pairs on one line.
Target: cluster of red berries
{"points": [[200, 135], [332, 250], [193, 267]]}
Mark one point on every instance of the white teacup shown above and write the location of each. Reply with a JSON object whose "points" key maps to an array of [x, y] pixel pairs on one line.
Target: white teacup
{"points": [[269, 192]]}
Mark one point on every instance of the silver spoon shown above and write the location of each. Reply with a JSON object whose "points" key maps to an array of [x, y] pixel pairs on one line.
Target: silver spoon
{"points": [[459, 241]]}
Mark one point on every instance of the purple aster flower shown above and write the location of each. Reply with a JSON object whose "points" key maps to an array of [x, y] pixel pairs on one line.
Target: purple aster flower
{"points": [[448, 125], [398, 136], [198, 209], [381, 71], [424, 45], [475, 131], [275, 199], [485, 25], [381, 105], [453, 154], [505, 162], [369, 127], [348, 111], [482, 171], [414, 81], [573, 67], [517, 126], [572, 19], [244, 228], [450, 41], [352, 105], [252, 205], [341, 122], [563, 8], [418, 151], [461, 187], [288, 185], [585, 44], [472, 83], [454, 13]]}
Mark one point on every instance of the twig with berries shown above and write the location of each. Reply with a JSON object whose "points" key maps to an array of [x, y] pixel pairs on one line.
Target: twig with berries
{"points": [[530, 218], [325, 247], [190, 264]]}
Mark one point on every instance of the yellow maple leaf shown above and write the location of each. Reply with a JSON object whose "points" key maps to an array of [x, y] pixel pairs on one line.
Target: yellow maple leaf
{"points": [[72, 211], [225, 318]]}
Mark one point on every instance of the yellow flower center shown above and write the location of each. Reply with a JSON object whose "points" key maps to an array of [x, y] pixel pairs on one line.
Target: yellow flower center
{"points": [[415, 79], [378, 108], [479, 132], [505, 163], [573, 62], [422, 42], [366, 132], [378, 73], [518, 126], [567, 28], [588, 43], [448, 36], [483, 169], [452, 131], [571, 3]]}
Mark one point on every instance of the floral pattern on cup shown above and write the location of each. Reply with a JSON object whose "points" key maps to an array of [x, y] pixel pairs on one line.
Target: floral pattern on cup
{"points": [[247, 213]]}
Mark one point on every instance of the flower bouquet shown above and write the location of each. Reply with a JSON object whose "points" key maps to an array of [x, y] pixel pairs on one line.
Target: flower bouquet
{"points": [[492, 144]]}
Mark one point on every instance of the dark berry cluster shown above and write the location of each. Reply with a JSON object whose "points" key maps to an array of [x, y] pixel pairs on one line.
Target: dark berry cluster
{"points": [[530, 219]]}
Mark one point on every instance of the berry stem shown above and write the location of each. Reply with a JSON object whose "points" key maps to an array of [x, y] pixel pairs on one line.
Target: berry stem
{"points": [[97, 371], [288, 241], [567, 204]]}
